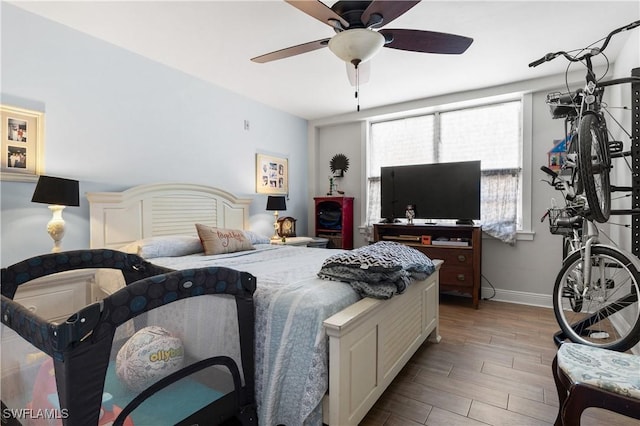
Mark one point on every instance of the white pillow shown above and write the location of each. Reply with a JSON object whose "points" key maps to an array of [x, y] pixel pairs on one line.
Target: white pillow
{"points": [[164, 246], [256, 238]]}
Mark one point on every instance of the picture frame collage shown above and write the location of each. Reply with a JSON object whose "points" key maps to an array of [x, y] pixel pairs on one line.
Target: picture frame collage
{"points": [[272, 175], [22, 138]]}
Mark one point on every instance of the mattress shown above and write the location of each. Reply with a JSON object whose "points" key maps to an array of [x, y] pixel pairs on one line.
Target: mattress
{"points": [[291, 303]]}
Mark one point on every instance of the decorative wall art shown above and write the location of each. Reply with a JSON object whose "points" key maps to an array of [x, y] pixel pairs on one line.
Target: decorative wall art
{"points": [[272, 175], [339, 164], [22, 136]]}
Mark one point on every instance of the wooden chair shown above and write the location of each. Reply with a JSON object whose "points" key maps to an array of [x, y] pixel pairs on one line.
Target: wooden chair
{"points": [[588, 376]]}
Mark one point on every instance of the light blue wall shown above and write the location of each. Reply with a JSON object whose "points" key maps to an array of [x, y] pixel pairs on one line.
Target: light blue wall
{"points": [[114, 119]]}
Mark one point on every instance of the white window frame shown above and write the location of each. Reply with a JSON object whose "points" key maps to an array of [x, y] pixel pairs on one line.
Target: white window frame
{"points": [[526, 231]]}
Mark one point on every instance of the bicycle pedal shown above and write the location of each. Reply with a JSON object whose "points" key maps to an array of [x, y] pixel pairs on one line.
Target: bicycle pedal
{"points": [[615, 146]]}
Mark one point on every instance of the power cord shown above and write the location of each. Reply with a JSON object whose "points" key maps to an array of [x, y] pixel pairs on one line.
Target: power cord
{"points": [[492, 288]]}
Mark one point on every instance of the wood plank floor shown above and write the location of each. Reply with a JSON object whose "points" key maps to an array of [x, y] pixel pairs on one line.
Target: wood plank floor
{"points": [[492, 367]]}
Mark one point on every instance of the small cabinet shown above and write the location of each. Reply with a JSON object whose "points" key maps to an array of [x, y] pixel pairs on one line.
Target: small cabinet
{"points": [[334, 221], [460, 246]]}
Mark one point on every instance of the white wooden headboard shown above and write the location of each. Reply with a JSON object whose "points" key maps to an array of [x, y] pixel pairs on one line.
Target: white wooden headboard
{"points": [[118, 218]]}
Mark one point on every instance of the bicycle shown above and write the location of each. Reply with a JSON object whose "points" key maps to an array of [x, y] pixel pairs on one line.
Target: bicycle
{"points": [[584, 110], [596, 291]]}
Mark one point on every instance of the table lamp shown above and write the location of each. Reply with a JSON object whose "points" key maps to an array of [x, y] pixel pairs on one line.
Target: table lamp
{"points": [[275, 203], [58, 193]]}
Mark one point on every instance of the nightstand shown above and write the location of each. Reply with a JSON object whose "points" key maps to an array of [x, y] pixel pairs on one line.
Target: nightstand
{"points": [[293, 241], [318, 242], [57, 296]]}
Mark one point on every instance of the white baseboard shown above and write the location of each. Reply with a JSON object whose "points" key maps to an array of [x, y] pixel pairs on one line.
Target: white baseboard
{"points": [[520, 297]]}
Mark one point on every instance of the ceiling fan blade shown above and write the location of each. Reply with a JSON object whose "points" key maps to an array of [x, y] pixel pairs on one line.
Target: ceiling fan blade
{"points": [[426, 41], [320, 11], [292, 51], [364, 69], [389, 10]]}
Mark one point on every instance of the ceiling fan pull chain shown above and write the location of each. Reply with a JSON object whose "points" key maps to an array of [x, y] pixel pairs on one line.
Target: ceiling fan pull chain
{"points": [[357, 84]]}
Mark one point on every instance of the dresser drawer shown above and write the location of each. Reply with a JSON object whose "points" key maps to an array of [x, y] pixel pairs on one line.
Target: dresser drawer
{"points": [[452, 257], [460, 277]]}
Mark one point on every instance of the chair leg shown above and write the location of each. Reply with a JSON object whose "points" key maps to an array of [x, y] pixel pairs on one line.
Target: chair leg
{"points": [[561, 389], [583, 396], [572, 409]]}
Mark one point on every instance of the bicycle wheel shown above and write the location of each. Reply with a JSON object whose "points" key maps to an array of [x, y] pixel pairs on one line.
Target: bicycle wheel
{"points": [[607, 314], [572, 152], [593, 164]]}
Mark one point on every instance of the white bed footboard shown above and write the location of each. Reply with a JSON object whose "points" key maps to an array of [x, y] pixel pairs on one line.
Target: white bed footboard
{"points": [[370, 342]]}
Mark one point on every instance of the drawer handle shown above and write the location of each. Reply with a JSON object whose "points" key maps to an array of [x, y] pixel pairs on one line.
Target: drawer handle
{"points": [[460, 277], [462, 258]]}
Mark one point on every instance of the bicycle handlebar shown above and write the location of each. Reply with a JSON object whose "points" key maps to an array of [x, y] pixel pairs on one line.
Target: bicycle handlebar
{"points": [[558, 183], [548, 171], [591, 53]]}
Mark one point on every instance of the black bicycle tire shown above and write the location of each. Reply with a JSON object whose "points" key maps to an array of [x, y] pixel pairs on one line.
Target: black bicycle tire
{"points": [[632, 335], [576, 182], [576, 305], [566, 246], [598, 194]]}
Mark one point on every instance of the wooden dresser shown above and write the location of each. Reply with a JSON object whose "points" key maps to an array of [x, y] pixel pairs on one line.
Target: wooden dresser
{"points": [[460, 246]]}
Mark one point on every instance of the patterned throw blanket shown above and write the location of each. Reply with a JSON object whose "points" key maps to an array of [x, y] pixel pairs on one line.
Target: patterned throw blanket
{"points": [[378, 270]]}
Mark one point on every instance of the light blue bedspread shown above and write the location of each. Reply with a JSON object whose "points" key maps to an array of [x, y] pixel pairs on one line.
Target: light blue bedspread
{"points": [[291, 345]]}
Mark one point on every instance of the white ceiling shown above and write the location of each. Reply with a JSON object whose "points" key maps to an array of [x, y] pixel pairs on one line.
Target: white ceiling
{"points": [[214, 40]]}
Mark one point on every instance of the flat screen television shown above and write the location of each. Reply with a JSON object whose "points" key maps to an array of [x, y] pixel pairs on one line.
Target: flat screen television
{"points": [[437, 191]]}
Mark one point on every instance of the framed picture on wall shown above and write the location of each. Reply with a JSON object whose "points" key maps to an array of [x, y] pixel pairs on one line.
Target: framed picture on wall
{"points": [[22, 137], [272, 175]]}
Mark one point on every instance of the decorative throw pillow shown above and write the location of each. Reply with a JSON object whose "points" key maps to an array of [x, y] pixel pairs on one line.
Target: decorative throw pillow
{"points": [[221, 241]]}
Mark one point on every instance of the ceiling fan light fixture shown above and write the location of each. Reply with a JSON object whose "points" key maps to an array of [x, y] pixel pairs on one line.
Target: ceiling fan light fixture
{"points": [[357, 44]]}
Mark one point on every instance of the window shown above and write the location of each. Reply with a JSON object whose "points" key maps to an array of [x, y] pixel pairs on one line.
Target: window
{"points": [[489, 133]]}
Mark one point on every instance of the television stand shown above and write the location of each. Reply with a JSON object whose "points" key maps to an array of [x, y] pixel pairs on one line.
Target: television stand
{"points": [[460, 246]]}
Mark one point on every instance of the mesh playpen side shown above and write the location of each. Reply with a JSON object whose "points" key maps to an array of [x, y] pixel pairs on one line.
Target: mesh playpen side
{"points": [[139, 356]]}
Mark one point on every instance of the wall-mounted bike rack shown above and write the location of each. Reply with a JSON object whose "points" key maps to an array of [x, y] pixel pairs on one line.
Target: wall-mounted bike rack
{"points": [[634, 152], [635, 162]]}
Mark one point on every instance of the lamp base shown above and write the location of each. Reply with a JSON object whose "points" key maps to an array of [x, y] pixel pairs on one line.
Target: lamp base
{"points": [[55, 228], [275, 226]]}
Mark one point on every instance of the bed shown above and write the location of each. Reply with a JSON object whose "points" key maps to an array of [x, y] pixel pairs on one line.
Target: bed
{"points": [[367, 340]]}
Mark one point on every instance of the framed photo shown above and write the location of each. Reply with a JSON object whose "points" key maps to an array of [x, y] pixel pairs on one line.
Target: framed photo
{"points": [[272, 175], [22, 137]]}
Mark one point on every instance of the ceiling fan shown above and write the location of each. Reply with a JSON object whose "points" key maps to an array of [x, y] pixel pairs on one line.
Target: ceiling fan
{"points": [[358, 37]]}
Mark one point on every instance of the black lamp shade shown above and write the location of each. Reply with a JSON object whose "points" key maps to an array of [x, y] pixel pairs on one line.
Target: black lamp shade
{"points": [[276, 203], [56, 191]]}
